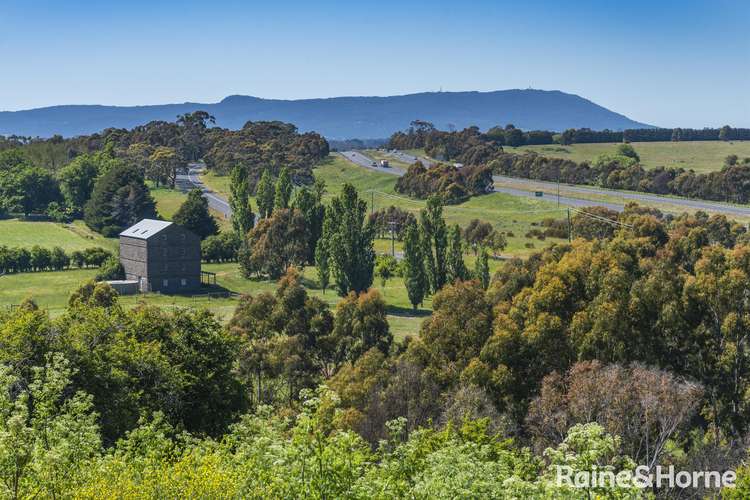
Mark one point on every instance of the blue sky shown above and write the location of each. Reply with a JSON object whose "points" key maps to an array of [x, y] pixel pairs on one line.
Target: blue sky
{"points": [[669, 63]]}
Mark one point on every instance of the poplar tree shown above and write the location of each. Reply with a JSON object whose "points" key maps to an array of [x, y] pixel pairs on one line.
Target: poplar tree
{"points": [[322, 255], [456, 267], [415, 277], [264, 192], [482, 268], [348, 240], [243, 217], [283, 192], [308, 202], [434, 238]]}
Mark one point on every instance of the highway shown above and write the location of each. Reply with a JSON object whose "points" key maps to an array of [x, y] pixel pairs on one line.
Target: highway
{"points": [[518, 187], [526, 188], [642, 198], [191, 180]]}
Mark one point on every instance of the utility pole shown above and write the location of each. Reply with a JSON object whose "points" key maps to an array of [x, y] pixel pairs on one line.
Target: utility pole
{"points": [[372, 202], [558, 187], [392, 226], [570, 228]]}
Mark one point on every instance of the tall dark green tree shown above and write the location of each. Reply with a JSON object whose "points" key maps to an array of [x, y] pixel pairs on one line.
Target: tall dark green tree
{"points": [[283, 191], [348, 240], [308, 202], [433, 233], [322, 255], [120, 199], [243, 217], [482, 268], [415, 277], [456, 267], [264, 192], [193, 214]]}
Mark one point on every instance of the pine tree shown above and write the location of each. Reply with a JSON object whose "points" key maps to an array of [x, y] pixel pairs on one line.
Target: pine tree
{"points": [[456, 267], [414, 271], [434, 242], [193, 214], [243, 217], [283, 190], [120, 199], [264, 192], [482, 268]]}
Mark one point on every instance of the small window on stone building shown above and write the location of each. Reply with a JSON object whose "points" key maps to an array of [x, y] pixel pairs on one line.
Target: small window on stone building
{"points": [[165, 283], [183, 282]]}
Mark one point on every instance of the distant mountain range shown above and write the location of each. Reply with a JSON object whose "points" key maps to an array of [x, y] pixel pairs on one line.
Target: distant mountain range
{"points": [[340, 117]]}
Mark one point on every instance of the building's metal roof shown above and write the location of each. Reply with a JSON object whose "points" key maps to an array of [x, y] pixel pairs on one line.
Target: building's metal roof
{"points": [[145, 228]]}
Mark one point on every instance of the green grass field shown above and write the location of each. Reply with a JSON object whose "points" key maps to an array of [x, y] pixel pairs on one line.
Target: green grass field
{"points": [[167, 200], [50, 290], [701, 156], [70, 237], [217, 183]]}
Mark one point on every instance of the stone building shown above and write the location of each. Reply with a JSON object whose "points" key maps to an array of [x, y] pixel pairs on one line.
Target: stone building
{"points": [[162, 256]]}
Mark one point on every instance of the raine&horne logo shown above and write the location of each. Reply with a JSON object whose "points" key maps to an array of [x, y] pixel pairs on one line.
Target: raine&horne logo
{"points": [[644, 477]]}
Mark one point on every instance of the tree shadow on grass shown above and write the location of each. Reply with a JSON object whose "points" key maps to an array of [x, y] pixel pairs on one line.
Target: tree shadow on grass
{"points": [[407, 312], [212, 290]]}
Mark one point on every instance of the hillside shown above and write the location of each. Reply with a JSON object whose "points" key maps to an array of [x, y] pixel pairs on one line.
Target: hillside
{"points": [[339, 117]]}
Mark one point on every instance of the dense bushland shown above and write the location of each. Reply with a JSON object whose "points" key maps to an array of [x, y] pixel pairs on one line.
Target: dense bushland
{"points": [[452, 184]]}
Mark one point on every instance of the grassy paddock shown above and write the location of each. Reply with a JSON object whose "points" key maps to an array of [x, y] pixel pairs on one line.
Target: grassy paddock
{"points": [[701, 156], [167, 200], [70, 237], [217, 183], [51, 290]]}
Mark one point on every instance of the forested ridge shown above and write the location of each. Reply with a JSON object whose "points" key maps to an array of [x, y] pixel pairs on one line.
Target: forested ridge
{"points": [[101, 177]]}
